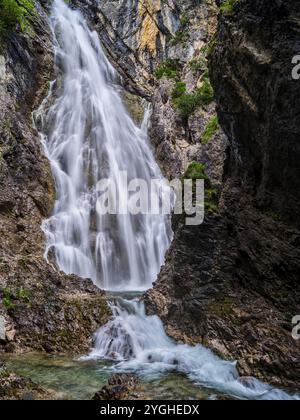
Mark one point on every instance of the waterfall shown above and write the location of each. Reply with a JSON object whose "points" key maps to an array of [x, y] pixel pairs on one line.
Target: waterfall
{"points": [[88, 136]]}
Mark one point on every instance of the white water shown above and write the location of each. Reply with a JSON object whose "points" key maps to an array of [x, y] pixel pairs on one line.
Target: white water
{"points": [[139, 344], [88, 135]]}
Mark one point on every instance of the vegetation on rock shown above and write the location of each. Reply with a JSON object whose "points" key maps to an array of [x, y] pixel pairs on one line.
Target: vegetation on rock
{"points": [[169, 68], [198, 65], [13, 13], [210, 129], [187, 102], [227, 6], [7, 299], [196, 170]]}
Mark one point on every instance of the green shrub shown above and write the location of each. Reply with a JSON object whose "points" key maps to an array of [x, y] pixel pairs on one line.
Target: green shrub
{"points": [[195, 171], [13, 13], [211, 200], [7, 299], [179, 90], [210, 130], [169, 68], [24, 296], [205, 93], [188, 102]]}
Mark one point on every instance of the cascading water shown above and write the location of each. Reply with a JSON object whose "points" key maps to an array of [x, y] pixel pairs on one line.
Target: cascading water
{"points": [[139, 344], [88, 135]]}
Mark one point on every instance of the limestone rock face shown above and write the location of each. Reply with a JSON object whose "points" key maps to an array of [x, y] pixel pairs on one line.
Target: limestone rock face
{"points": [[140, 36], [259, 101]]}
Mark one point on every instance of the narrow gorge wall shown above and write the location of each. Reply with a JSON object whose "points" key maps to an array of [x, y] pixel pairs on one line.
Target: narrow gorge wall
{"points": [[233, 283]]}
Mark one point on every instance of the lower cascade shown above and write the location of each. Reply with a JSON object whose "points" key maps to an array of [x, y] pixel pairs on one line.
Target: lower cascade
{"points": [[138, 343], [88, 135]]}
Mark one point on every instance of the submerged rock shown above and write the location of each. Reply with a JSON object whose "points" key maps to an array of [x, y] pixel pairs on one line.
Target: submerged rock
{"points": [[16, 387]]}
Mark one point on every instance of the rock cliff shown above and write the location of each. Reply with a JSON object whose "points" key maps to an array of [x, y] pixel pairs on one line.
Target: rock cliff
{"points": [[233, 283]]}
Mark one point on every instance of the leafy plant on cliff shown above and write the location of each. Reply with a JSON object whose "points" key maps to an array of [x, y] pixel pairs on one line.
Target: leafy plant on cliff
{"points": [[15, 13], [188, 102], [210, 129], [205, 92], [178, 91], [24, 296], [196, 170], [169, 68]]}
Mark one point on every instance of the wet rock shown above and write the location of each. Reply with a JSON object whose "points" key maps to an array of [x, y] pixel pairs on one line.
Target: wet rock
{"points": [[119, 387]]}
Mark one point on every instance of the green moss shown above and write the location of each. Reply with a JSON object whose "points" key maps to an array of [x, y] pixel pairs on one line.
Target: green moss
{"points": [[15, 13], [222, 307], [210, 129], [7, 299], [169, 68], [195, 171], [273, 215], [227, 6]]}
